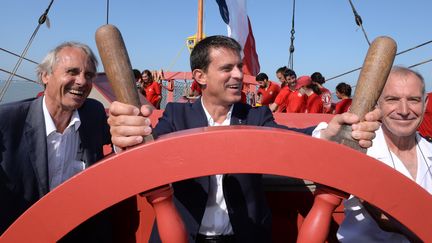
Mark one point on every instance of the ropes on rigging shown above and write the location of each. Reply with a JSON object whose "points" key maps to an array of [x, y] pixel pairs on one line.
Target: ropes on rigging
{"points": [[19, 76], [176, 58], [291, 49], [41, 21], [399, 53], [420, 63], [107, 12], [359, 21], [14, 54]]}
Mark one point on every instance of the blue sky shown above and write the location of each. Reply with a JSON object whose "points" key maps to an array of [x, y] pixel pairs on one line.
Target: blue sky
{"points": [[326, 38]]}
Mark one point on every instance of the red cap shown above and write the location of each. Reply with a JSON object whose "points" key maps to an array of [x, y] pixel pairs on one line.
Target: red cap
{"points": [[303, 81]]}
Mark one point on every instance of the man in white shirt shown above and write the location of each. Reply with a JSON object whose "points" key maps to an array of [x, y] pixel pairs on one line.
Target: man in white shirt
{"points": [[221, 208], [398, 145], [45, 141]]}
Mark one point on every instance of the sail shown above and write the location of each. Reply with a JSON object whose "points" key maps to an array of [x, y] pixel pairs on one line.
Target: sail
{"points": [[234, 14]]}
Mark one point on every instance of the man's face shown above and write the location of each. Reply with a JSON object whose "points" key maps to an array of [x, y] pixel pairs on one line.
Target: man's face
{"points": [[70, 82], [290, 79], [402, 104], [281, 77], [224, 77], [262, 83]]}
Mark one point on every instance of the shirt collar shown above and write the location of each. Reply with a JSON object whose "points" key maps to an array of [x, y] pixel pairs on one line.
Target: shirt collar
{"points": [[50, 127], [425, 146], [380, 151], [210, 120]]}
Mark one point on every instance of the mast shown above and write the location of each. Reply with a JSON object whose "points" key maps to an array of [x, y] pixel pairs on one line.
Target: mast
{"points": [[199, 35]]}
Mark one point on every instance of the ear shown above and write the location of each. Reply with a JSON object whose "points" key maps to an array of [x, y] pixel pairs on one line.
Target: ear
{"points": [[200, 76], [45, 77]]}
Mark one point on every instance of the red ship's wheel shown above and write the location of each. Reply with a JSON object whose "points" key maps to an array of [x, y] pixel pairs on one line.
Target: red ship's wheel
{"points": [[222, 150]]}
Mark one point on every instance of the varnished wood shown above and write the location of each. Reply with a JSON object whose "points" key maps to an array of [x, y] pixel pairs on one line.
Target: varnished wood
{"points": [[371, 81], [117, 66]]}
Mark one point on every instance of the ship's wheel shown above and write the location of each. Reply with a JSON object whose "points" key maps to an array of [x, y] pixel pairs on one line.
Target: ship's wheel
{"points": [[224, 150]]}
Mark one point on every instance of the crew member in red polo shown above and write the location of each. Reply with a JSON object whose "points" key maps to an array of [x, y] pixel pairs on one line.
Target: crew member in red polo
{"points": [[287, 77], [326, 97], [343, 92], [297, 100], [268, 90], [314, 103], [425, 128], [151, 89]]}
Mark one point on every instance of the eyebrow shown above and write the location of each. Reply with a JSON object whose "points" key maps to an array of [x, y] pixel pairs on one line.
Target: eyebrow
{"points": [[398, 97]]}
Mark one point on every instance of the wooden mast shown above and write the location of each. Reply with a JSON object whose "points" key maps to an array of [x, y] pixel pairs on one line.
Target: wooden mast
{"points": [[199, 35]]}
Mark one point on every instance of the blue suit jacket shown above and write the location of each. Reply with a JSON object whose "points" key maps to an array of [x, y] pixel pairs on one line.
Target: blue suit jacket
{"points": [[23, 152], [248, 211]]}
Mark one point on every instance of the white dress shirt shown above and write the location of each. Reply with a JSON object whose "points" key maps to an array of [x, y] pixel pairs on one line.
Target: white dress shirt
{"points": [[216, 219], [62, 149], [358, 225]]}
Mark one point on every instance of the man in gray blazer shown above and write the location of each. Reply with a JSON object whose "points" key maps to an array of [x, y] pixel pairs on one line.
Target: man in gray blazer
{"points": [[45, 141]]}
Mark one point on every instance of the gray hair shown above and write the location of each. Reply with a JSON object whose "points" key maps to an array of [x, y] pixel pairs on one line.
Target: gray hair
{"points": [[401, 70], [47, 64]]}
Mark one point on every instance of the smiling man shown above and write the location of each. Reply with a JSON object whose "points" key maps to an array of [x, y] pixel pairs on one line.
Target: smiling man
{"points": [[229, 207], [398, 145], [46, 140]]}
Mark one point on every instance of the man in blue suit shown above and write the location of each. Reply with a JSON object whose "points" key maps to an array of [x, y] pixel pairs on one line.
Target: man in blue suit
{"points": [[46, 140], [220, 208]]}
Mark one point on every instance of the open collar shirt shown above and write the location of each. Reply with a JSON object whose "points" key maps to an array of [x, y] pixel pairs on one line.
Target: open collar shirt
{"points": [[216, 219], [358, 225], [62, 149]]}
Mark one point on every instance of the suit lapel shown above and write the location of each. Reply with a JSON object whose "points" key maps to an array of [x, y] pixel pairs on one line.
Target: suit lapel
{"points": [[238, 116], [35, 139], [84, 149], [197, 117]]}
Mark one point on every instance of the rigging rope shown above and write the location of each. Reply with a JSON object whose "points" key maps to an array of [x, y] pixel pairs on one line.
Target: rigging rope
{"points": [[174, 61], [420, 63], [19, 76], [291, 49], [107, 11], [414, 65], [359, 21], [41, 21], [399, 53], [14, 54]]}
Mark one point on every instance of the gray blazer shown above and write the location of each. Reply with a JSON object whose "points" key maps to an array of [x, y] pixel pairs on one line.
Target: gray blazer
{"points": [[23, 152]]}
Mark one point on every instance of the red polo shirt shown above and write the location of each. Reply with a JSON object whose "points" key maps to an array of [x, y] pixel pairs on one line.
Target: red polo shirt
{"points": [[342, 106], [314, 104], [296, 102], [327, 100], [425, 128], [269, 94], [153, 93], [282, 99]]}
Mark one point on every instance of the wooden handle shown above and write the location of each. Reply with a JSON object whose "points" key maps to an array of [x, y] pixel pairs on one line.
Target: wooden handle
{"points": [[373, 76], [118, 69]]}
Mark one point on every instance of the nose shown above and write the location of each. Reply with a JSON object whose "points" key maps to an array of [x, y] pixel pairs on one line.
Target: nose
{"points": [[403, 107], [82, 79], [237, 73]]}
